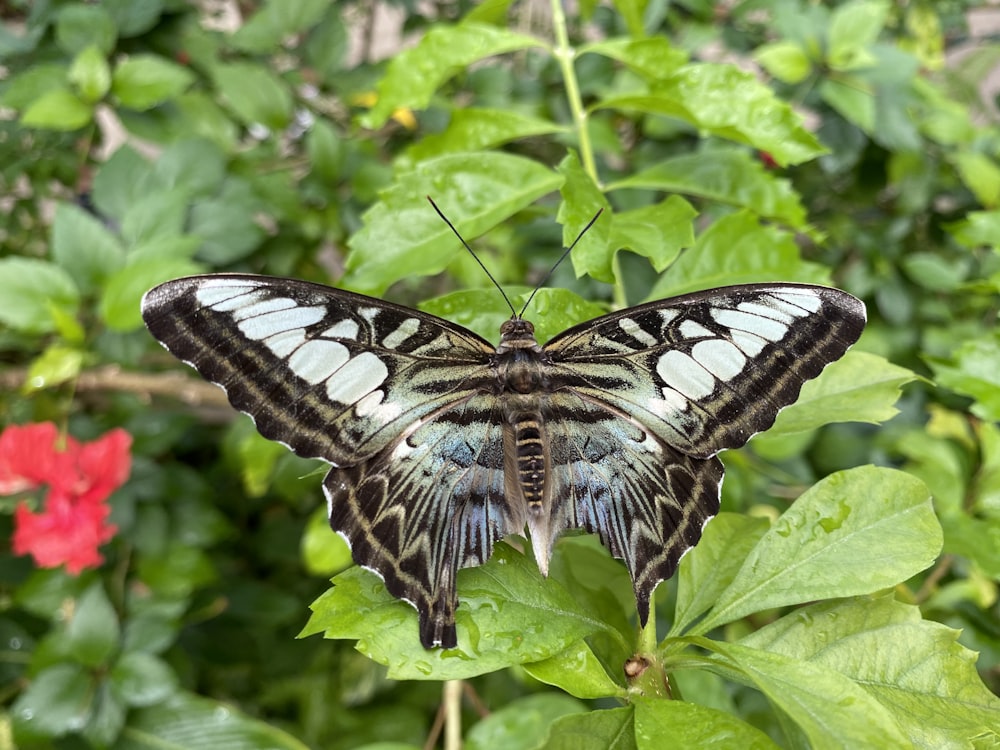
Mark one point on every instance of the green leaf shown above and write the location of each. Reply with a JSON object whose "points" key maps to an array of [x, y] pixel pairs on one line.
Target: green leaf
{"points": [[119, 305], [689, 725], [143, 679], [157, 214], [852, 97], [913, 667], [610, 729], [80, 25], [90, 74], [854, 26], [832, 711], [59, 109], [326, 152], [725, 175], [107, 717], [508, 614], [404, 237], [975, 372], [578, 671], [853, 533], [134, 18], [225, 224], [654, 58], [785, 60], [56, 702], [119, 180], [92, 631], [416, 73], [56, 365], [522, 723], [480, 310], [553, 310], [31, 291], [474, 129], [324, 552], [724, 101], [272, 24], [980, 174], [194, 166], [582, 200], [25, 87], [861, 387], [737, 249], [86, 249], [657, 232], [710, 567], [255, 94], [143, 81], [190, 722], [978, 228]]}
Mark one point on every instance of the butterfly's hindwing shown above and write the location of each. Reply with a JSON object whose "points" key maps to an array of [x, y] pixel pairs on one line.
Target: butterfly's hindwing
{"points": [[646, 500], [707, 371], [429, 504]]}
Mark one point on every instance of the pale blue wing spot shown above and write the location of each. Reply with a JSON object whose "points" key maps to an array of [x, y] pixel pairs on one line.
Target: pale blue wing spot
{"points": [[748, 343], [693, 330], [343, 329], [357, 378], [634, 330], [263, 326], [317, 359], [226, 297], [283, 344], [406, 329], [261, 306], [721, 358], [807, 300], [771, 312], [743, 321], [685, 375]]}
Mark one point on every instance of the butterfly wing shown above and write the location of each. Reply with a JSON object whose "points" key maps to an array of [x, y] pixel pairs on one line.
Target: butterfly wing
{"points": [[331, 374], [646, 500], [707, 371], [386, 394], [427, 505], [662, 388]]}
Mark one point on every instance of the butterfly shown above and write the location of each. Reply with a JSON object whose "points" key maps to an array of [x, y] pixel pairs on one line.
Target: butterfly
{"points": [[441, 444]]}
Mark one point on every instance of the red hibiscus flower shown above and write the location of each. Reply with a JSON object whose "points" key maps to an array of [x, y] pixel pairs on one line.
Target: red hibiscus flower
{"points": [[72, 523]]}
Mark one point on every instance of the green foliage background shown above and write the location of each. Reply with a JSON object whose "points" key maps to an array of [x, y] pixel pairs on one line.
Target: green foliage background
{"points": [[727, 143]]}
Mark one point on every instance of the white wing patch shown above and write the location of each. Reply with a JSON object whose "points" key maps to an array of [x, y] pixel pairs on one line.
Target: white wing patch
{"points": [[357, 378], [738, 320], [406, 329], [719, 357], [317, 359], [685, 375]]}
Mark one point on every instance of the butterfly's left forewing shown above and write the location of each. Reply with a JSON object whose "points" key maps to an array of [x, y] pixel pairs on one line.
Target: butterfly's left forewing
{"points": [[707, 371]]}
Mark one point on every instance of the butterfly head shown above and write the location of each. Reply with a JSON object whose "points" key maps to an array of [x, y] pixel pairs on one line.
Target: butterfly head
{"points": [[517, 333]]}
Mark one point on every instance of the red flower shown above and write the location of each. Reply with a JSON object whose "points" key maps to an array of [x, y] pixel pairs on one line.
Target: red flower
{"points": [[80, 477]]}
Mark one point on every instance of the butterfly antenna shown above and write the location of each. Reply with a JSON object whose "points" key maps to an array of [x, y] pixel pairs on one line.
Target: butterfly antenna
{"points": [[473, 254], [561, 259]]}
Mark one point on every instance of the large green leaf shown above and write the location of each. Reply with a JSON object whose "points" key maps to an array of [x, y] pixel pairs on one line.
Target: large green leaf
{"points": [[415, 74], [578, 671], [725, 175], [831, 710], [404, 237], [92, 633], [860, 387], [658, 232], [582, 202], [737, 249], [975, 372], [255, 94], [143, 81], [508, 614], [855, 532], [727, 102], [276, 21], [913, 667], [709, 568], [654, 58], [475, 129]]}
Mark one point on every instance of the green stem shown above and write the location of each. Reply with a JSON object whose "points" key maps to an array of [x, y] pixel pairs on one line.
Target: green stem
{"points": [[565, 56]]}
